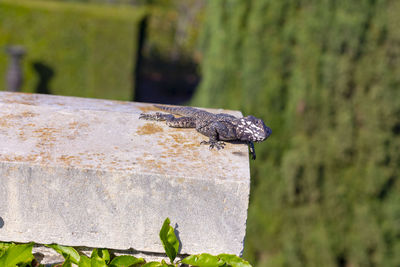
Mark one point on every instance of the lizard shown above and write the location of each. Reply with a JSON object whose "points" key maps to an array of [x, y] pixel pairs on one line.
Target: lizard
{"points": [[217, 127]]}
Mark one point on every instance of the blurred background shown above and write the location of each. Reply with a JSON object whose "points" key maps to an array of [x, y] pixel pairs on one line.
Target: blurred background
{"points": [[324, 75]]}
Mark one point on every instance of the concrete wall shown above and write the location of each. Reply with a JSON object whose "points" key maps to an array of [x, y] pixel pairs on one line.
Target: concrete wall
{"points": [[86, 172]]}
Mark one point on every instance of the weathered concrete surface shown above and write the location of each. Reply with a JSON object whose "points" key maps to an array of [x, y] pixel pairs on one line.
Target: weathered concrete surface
{"points": [[86, 172]]}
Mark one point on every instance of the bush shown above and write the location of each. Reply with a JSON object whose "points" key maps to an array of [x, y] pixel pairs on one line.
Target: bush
{"points": [[325, 76]]}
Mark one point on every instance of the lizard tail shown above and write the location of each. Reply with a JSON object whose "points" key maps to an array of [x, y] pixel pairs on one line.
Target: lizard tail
{"points": [[166, 108], [183, 111]]}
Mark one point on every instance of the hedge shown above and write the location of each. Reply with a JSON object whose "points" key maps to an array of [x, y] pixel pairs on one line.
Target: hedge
{"points": [[90, 48], [325, 76]]}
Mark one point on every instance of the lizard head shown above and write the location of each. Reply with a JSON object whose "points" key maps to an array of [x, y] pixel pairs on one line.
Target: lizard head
{"points": [[252, 129]]}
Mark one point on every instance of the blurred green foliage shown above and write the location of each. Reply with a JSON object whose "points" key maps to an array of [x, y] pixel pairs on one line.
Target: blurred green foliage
{"points": [[91, 49], [173, 25], [325, 76], [173, 31]]}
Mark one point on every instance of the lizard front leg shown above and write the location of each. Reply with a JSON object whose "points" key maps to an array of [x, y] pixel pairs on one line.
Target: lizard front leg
{"points": [[214, 143], [211, 131], [252, 150]]}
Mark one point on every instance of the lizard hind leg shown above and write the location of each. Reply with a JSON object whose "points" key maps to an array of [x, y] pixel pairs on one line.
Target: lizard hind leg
{"points": [[171, 120], [156, 116], [182, 122]]}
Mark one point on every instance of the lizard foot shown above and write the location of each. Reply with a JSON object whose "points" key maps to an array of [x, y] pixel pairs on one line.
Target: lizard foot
{"points": [[152, 117], [252, 150], [217, 144]]}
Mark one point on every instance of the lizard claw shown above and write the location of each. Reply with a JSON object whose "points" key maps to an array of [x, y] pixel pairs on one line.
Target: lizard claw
{"points": [[146, 116], [217, 144]]}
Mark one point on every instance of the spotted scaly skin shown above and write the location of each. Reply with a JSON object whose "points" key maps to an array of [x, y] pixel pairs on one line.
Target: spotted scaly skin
{"points": [[218, 127]]}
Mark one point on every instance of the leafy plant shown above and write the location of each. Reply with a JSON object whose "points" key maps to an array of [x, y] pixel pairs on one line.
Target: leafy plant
{"points": [[171, 246], [98, 258], [12, 255], [169, 240], [15, 255]]}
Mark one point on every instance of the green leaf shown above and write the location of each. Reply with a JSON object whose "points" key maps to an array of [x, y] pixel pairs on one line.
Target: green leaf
{"points": [[66, 251], [164, 264], [4, 246], [234, 260], [153, 264], [125, 261], [17, 254], [169, 240], [101, 253], [203, 260], [67, 262], [97, 262], [84, 261], [158, 264]]}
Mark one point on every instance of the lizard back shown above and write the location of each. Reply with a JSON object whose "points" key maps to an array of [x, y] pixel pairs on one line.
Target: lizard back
{"points": [[187, 111]]}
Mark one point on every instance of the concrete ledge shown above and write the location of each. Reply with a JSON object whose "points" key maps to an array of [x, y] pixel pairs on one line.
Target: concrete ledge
{"points": [[86, 172]]}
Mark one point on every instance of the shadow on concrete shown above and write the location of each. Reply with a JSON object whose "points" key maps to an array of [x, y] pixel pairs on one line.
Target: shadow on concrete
{"points": [[177, 236], [1, 222]]}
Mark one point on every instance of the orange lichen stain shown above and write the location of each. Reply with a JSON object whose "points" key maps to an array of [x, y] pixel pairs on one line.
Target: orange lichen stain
{"points": [[149, 128], [72, 136], [148, 108], [75, 125], [88, 166], [176, 146], [190, 146], [180, 146], [178, 138], [44, 157], [46, 133], [184, 140], [28, 114], [18, 158], [120, 102], [46, 136], [21, 135], [146, 154], [10, 119], [24, 129], [20, 98], [69, 160], [6, 120], [151, 164]]}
